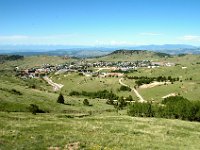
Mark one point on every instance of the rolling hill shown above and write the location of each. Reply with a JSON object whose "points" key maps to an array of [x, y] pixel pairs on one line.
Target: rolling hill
{"points": [[98, 126], [133, 55]]}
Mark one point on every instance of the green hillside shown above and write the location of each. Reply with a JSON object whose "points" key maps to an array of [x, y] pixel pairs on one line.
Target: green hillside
{"points": [[98, 125], [105, 131], [33, 61], [133, 55]]}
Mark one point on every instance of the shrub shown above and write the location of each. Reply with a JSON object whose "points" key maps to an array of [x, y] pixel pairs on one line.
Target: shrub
{"points": [[121, 102], [16, 92], [35, 109], [86, 102], [74, 93], [124, 88], [61, 99], [129, 98]]}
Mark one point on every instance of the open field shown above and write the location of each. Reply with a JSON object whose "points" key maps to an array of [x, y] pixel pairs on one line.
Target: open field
{"points": [[33, 61], [98, 126], [16, 95], [27, 131], [188, 86], [75, 82]]}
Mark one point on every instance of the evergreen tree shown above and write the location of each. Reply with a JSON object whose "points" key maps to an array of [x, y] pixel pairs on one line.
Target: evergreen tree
{"points": [[61, 99]]}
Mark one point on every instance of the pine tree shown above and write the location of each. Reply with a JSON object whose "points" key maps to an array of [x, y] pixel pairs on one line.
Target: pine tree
{"points": [[61, 99]]}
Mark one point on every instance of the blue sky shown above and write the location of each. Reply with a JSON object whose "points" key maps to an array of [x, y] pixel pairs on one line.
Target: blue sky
{"points": [[99, 22]]}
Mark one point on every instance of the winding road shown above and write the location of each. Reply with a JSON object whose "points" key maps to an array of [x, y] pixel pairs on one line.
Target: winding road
{"points": [[141, 99], [55, 86]]}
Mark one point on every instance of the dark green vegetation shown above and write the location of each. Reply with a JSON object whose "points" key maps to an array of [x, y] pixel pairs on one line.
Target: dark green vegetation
{"points": [[35, 109], [87, 118], [99, 94], [146, 80], [124, 88], [173, 107], [4, 58], [130, 55], [109, 95], [136, 52], [61, 99], [86, 102]]}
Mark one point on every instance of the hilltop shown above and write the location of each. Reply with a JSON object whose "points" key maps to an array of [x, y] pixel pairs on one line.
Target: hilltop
{"points": [[133, 55], [138, 52]]}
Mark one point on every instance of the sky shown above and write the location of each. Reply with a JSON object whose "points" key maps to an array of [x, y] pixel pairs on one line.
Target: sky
{"points": [[99, 22]]}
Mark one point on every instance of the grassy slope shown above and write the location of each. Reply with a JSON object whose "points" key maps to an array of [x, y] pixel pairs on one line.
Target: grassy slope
{"points": [[42, 95], [148, 55], [141, 55], [75, 82], [22, 131], [33, 61], [107, 130], [187, 88], [44, 99]]}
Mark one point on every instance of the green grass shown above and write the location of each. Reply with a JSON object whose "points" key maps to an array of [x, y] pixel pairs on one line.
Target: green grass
{"points": [[43, 96], [187, 88], [75, 82], [34, 61], [110, 131], [146, 55], [97, 126]]}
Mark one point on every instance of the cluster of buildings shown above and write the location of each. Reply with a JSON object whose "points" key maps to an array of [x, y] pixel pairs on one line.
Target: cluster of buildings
{"points": [[89, 68]]}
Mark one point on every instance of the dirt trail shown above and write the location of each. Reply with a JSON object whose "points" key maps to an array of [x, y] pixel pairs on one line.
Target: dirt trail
{"points": [[141, 99], [169, 95], [55, 86], [154, 84], [99, 69]]}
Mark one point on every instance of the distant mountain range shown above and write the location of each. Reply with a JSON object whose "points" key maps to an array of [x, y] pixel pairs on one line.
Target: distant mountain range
{"points": [[84, 51]]}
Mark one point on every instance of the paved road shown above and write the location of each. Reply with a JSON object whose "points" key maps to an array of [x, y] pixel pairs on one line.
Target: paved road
{"points": [[55, 86], [141, 99]]}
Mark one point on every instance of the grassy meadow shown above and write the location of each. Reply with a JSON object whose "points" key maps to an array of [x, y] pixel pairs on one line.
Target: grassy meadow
{"points": [[105, 131], [98, 126], [76, 82]]}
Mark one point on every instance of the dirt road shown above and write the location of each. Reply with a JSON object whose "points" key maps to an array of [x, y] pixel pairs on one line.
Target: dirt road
{"points": [[55, 86], [99, 69], [141, 99]]}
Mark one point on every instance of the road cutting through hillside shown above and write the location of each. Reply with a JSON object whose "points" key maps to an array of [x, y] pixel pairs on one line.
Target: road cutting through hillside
{"points": [[141, 99], [55, 86], [99, 69]]}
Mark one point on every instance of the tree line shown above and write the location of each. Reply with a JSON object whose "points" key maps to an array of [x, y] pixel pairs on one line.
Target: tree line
{"points": [[175, 107], [105, 94], [146, 80], [4, 58]]}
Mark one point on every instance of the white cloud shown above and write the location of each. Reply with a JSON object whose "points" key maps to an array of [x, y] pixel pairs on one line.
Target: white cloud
{"points": [[194, 38], [150, 34], [113, 43], [47, 39], [13, 37]]}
